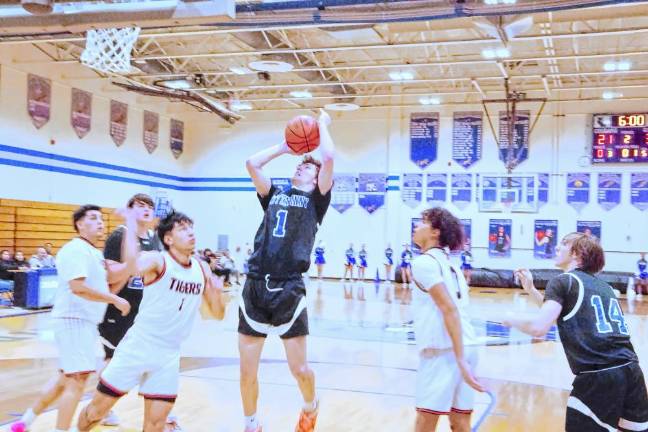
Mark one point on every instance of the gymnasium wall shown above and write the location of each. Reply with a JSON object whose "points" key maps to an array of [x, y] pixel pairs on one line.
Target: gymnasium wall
{"points": [[209, 180], [378, 141]]}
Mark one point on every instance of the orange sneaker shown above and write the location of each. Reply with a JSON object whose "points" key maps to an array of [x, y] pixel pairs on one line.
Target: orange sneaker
{"points": [[307, 420]]}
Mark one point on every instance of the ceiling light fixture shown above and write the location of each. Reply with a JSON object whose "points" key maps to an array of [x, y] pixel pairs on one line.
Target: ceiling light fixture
{"points": [[401, 76], [342, 106], [240, 70], [176, 84], [611, 95], [429, 100], [301, 94], [271, 66], [240, 106]]}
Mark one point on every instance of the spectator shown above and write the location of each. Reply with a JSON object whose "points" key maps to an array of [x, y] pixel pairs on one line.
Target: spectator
{"points": [[19, 259], [217, 268], [228, 264], [42, 259], [6, 278], [48, 248], [240, 259]]}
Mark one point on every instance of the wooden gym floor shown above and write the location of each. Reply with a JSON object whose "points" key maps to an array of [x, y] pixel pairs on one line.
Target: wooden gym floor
{"points": [[362, 355]]}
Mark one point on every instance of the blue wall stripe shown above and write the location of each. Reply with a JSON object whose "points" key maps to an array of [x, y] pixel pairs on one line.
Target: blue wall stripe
{"points": [[91, 163], [76, 172]]}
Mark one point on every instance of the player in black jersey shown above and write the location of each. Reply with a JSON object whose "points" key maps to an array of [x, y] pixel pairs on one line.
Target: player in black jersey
{"points": [[609, 391], [273, 298]]}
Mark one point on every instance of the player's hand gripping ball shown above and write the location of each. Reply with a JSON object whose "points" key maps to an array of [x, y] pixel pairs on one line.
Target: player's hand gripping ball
{"points": [[302, 134]]}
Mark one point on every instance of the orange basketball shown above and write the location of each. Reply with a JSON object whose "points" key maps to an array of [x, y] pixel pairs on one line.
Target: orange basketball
{"points": [[302, 134]]}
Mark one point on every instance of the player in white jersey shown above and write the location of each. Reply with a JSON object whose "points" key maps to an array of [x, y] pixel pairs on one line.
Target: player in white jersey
{"points": [[175, 284], [445, 379], [79, 306]]}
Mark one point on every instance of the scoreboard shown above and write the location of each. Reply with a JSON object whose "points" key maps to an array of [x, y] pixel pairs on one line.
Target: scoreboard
{"points": [[620, 138]]}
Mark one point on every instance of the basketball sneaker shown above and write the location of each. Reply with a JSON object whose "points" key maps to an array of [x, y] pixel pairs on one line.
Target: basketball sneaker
{"points": [[172, 424], [307, 420], [111, 419]]}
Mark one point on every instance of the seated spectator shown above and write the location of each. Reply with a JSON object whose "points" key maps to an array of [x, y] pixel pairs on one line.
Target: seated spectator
{"points": [[19, 259], [41, 259], [228, 264], [217, 268], [6, 278], [48, 248]]}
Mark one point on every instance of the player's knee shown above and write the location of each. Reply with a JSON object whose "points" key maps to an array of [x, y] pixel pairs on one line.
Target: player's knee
{"points": [[302, 372], [74, 382]]}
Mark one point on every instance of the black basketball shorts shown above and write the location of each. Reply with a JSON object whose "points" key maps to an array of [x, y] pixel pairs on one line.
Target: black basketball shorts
{"points": [[608, 400], [273, 307]]}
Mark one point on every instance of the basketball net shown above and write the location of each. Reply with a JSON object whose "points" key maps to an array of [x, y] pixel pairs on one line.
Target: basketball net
{"points": [[109, 50]]}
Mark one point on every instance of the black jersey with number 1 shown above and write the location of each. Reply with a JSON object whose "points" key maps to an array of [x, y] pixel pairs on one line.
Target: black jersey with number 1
{"points": [[284, 242], [591, 324]]}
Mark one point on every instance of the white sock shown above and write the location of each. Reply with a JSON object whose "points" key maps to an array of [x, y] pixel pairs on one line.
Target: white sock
{"points": [[310, 406], [251, 422], [28, 417]]}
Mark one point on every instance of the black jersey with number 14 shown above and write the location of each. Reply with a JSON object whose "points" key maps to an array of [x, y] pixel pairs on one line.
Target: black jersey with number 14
{"points": [[284, 242]]}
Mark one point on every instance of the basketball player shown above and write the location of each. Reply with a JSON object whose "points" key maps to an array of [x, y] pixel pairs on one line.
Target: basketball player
{"points": [[641, 277], [349, 263], [273, 298], [406, 266], [609, 391], [445, 383], [362, 263], [127, 286], [389, 262], [549, 243], [175, 284], [79, 306], [319, 259], [466, 262]]}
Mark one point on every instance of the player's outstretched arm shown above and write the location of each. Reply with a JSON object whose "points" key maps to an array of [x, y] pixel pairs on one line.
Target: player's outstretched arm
{"points": [[213, 293], [256, 162], [327, 152], [539, 325], [441, 297]]}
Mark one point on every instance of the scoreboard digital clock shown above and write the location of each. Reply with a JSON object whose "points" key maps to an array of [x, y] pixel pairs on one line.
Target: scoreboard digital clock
{"points": [[620, 138]]}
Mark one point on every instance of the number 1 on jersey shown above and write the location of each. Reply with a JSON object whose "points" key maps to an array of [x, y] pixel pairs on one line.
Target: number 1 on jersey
{"points": [[280, 228]]}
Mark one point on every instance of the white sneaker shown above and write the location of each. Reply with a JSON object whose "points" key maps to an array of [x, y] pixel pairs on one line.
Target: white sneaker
{"points": [[172, 424], [111, 419]]}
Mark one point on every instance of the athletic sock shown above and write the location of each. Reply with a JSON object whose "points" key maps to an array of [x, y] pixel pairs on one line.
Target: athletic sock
{"points": [[251, 422], [310, 406], [28, 417]]}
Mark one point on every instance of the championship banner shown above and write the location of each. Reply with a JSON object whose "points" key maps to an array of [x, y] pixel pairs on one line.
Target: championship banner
{"points": [[543, 189], [639, 190], [424, 138], [283, 183], [151, 129], [39, 99], [177, 138], [81, 112], [609, 190], [519, 152], [436, 189], [412, 189], [545, 239], [467, 226], [467, 135], [414, 248], [591, 228], [371, 191], [461, 190], [488, 198], [499, 237], [118, 121], [343, 194], [578, 190]]}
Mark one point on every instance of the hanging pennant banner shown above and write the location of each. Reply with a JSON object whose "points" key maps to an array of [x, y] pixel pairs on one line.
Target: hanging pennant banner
{"points": [[591, 228], [371, 190], [437, 189], [81, 112], [499, 237], [343, 194], [177, 137], [578, 190], [461, 185], [488, 198], [412, 189], [467, 137], [546, 237], [118, 121], [609, 190], [39, 99], [424, 138], [519, 151], [639, 190], [151, 129], [543, 189], [283, 183]]}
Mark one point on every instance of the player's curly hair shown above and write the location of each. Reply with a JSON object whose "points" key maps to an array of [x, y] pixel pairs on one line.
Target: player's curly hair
{"points": [[587, 250], [169, 222], [450, 227]]}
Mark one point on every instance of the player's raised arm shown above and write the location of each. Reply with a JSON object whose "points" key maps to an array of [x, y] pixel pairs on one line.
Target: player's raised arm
{"points": [[213, 293], [257, 161], [327, 151]]}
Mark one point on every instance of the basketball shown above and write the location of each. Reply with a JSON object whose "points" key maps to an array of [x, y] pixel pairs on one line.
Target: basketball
{"points": [[302, 134]]}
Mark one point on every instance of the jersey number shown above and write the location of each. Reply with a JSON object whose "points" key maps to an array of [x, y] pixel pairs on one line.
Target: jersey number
{"points": [[181, 304], [280, 228], [615, 315]]}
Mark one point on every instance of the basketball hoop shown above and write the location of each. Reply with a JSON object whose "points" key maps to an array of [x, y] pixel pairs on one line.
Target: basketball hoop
{"points": [[109, 50]]}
